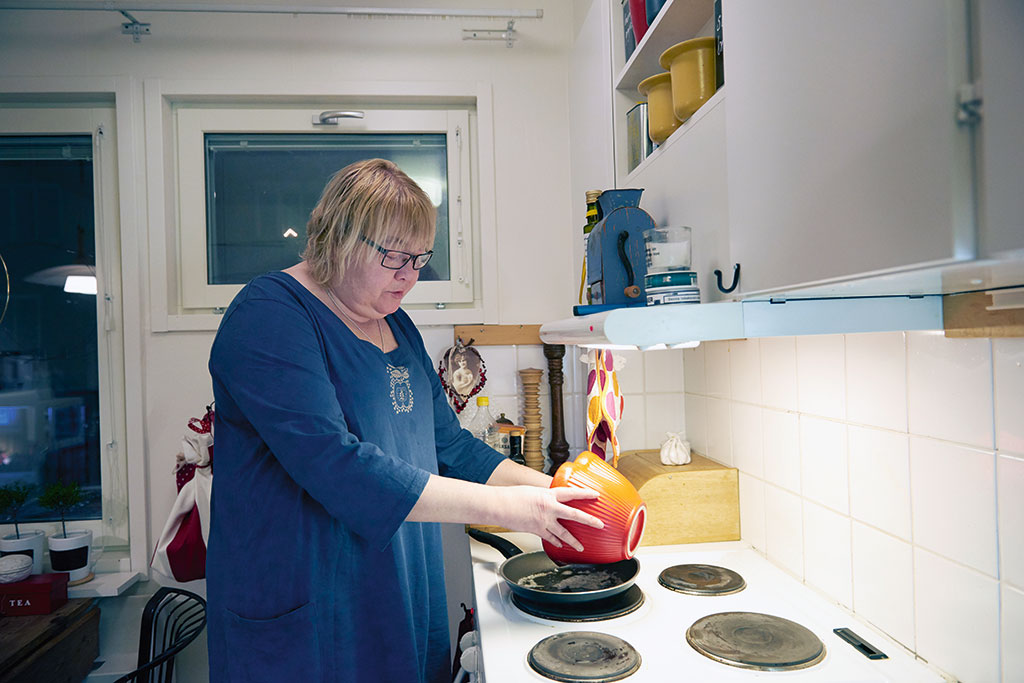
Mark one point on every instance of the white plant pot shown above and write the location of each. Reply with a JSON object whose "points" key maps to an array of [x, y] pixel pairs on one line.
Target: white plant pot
{"points": [[70, 554], [31, 543]]}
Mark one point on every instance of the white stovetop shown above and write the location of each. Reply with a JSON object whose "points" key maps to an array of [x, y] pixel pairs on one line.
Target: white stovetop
{"points": [[657, 630]]}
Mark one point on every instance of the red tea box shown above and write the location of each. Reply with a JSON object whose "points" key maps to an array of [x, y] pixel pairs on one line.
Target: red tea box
{"points": [[38, 594]]}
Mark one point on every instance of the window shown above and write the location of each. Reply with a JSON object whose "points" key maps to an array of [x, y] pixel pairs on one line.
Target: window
{"points": [[61, 377], [248, 179]]}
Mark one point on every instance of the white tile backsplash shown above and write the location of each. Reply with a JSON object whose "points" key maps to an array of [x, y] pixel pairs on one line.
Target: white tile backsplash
{"points": [[778, 372], [502, 371], [957, 618], [752, 511], [664, 413], [827, 553], [880, 479], [823, 463], [693, 370], [821, 375], [883, 582], [784, 529], [1012, 628], [719, 431], [1008, 361], [884, 469], [953, 502], [949, 388], [781, 444], [876, 380], [697, 422], [745, 370], [663, 370], [747, 447], [1010, 493], [716, 368]]}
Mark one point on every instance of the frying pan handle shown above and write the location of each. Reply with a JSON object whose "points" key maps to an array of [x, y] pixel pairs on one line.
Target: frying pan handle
{"points": [[503, 546]]}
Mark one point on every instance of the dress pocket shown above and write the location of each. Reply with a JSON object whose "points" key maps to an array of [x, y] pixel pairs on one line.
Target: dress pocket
{"points": [[283, 648]]}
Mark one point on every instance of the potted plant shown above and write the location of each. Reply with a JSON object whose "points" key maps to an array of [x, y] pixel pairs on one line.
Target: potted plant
{"points": [[69, 551], [12, 497]]}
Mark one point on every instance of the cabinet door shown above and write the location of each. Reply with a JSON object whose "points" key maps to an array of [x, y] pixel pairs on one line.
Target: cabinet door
{"points": [[843, 149]]}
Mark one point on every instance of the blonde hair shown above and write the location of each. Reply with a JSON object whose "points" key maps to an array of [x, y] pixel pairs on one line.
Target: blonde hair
{"points": [[371, 199]]}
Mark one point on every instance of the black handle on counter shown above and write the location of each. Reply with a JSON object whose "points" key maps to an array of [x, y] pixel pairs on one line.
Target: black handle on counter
{"points": [[861, 645], [503, 546]]}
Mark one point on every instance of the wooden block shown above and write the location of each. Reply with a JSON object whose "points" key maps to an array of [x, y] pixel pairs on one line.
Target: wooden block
{"points": [[498, 335], [694, 503], [966, 315]]}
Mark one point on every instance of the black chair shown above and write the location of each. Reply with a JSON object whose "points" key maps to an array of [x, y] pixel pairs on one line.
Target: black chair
{"points": [[173, 618]]}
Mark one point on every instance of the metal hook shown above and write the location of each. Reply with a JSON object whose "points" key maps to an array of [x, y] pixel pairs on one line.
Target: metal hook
{"points": [[735, 279]]}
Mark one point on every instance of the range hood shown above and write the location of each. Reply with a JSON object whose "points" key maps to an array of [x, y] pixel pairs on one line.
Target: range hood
{"points": [[686, 325]]}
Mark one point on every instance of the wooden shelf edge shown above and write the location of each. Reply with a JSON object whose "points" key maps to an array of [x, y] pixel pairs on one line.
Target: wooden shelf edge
{"points": [[499, 335], [965, 316]]}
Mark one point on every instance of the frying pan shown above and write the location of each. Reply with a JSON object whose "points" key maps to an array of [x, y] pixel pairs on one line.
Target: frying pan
{"points": [[535, 576]]}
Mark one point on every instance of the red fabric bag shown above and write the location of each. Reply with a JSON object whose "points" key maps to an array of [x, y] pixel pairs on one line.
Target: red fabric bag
{"points": [[181, 551]]}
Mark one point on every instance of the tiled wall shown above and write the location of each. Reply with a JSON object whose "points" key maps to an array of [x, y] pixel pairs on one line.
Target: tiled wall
{"points": [[651, 384], [885, 470]]}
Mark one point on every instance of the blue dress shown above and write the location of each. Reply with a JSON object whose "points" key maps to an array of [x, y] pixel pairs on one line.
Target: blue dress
{"points": [[323, 445]]}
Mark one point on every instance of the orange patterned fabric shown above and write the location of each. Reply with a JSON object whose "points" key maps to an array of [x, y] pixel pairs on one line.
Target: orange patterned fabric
{"points": [[604, 407]]}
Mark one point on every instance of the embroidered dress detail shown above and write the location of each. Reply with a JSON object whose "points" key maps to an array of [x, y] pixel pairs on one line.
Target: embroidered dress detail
{"points": [[401, 389]]}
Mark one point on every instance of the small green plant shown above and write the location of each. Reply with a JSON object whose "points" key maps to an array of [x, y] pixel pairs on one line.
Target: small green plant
{"points": [[12, 497], [61, 497]]}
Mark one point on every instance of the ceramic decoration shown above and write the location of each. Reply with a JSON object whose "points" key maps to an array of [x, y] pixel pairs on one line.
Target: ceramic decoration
{"points": [[604, 406], [620, 507], [15, 568]]}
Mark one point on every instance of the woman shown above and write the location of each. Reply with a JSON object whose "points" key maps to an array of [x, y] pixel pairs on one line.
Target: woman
{"points": [[334, 443]]}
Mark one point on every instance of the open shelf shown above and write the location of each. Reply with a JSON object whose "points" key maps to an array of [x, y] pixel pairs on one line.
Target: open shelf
{"points": [[678, 20]]}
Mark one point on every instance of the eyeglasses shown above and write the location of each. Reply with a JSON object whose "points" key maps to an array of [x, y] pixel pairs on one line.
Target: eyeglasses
{"points": [[394, 259]]}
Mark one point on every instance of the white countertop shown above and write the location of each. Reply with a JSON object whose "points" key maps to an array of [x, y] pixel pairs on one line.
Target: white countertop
{"points": [[657, 630]]}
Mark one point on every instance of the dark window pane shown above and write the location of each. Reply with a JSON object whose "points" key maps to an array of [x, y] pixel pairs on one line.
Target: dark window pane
{"points": [[260, 190], [49, 384]]}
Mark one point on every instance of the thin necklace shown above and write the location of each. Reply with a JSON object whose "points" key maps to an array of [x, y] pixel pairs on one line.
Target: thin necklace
{"points": [[380, 329]]}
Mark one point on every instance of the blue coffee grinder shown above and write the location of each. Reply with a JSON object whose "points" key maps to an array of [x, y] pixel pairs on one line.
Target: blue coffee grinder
{"points": [[616, 254]]}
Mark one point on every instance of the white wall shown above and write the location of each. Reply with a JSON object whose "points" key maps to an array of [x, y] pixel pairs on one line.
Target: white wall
{"points": [[886, 471], [531, 149]]}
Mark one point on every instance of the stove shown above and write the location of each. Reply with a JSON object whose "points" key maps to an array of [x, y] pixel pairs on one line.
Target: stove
{"points": [[672, 634]]}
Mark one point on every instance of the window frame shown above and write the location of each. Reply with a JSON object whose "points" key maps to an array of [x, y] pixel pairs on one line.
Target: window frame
{"points": [[114, 530], [160, 96], [194, 122]]}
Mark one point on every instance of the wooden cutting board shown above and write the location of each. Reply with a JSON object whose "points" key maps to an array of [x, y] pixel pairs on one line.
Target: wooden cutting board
{"points": [[694, 503]]}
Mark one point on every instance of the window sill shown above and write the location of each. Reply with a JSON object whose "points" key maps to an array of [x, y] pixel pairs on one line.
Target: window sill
{"points": [[105, 585]]}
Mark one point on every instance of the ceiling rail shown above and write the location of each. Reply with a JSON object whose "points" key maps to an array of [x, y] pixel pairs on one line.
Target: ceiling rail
{"points": [[116, 6]]}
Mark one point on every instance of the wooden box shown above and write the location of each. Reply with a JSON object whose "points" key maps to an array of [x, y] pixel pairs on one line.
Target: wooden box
{"points": [[694, 503], [38, 594]]}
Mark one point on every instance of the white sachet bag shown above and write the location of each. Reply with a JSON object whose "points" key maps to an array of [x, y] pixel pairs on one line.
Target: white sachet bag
{"points": [[675, 450]]}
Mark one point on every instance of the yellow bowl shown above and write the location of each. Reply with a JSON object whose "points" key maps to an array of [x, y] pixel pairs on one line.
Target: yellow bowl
{"points": [[692, 65], [661, 122]]}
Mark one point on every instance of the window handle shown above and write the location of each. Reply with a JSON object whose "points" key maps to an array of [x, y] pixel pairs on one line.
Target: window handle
{"points": [[330, 118]]}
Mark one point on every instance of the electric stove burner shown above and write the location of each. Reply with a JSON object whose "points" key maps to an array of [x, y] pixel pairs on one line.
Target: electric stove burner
{"points": [[584, 656], [755, 641], [701, 579], [591, 610]]}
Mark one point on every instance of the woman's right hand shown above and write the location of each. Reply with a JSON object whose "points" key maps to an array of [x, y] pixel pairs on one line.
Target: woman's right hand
{"points": [[540, 510]]}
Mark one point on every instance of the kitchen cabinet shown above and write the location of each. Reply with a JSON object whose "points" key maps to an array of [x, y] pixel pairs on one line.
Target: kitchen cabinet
{"points": [[835, 162], [835, 152], [845, 155]]}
